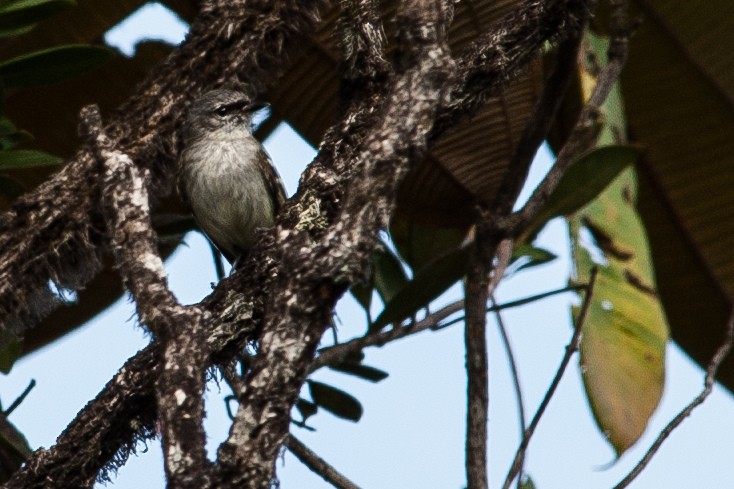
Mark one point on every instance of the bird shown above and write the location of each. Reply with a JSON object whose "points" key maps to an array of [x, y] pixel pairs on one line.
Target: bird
{"points": [[224, 173]]}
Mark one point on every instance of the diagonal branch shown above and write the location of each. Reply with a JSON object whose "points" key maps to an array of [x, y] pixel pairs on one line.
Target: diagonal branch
{"points": [[708, 386], [499, 55], [539, 124], [582, 136], [317, 464], [58, 223], [307, 292], [181, 329], [124, 412], [572, 348]]}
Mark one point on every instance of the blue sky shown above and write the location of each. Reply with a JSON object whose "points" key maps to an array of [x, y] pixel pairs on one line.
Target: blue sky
{"points": [[412, 431]]}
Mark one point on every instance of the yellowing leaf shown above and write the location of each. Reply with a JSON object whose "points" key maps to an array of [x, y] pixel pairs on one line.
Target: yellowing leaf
{"points": [[625, 333]]}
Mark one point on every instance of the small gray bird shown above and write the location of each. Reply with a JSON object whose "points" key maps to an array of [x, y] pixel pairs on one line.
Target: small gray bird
{"points": [[225, 175]]}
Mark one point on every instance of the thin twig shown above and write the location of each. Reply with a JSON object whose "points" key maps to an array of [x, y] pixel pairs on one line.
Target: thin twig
{"points": [[20, 398], [515, 380], [217, 258], [581, 138], [572, 347], [536, 130], [517, 303], [317, 464], [708, 385], [338, 353]]}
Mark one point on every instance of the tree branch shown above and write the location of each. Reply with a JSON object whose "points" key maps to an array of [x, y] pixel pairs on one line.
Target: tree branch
{"points": [[478, 287], [515, 381], [539, 124], [499, 55], [582, 136], [55, 231], [307, 292], [317, 464], [572, 348], [708, 385], [334, 355], [241, 42], [181, 329]]}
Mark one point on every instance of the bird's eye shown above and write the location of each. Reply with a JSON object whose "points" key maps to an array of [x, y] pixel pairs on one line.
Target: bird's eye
{"points": [[222, 111]]}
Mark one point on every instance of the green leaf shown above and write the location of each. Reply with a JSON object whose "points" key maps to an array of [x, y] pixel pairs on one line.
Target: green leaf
{"points": [[420, 244], [387, 278], [6, 126], [528, 256], [14, 449], [10, 188], [10, 141], [362, 371], [10, 348], [430, 282], [583, 181], [19, 16], [306, 408], [527, 483], [25, 158], [52, 65], [389, 274], [362, 293], [336, 401]]}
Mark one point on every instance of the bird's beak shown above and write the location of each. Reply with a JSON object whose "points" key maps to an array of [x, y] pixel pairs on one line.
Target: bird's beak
{"points": [[255, 106]]}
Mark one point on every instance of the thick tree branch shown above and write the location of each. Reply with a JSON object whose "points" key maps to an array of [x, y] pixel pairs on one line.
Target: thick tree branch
{"points": [[180, 387], [499, 55], [479, 286], [308, 291], [124, 412], [53, 232]]}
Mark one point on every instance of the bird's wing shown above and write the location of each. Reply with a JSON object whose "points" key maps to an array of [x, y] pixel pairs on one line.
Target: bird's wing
{"points": [[274, 182]]}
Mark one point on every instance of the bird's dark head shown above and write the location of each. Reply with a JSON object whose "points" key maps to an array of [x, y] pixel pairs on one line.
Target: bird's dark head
{"points": [[221, 109]]}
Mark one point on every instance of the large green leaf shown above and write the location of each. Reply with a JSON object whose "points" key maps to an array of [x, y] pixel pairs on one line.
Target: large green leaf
{"points": [[52, 65]]}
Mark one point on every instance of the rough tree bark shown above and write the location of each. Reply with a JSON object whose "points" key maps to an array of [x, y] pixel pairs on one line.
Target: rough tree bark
{"points": [[324, 236]]}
